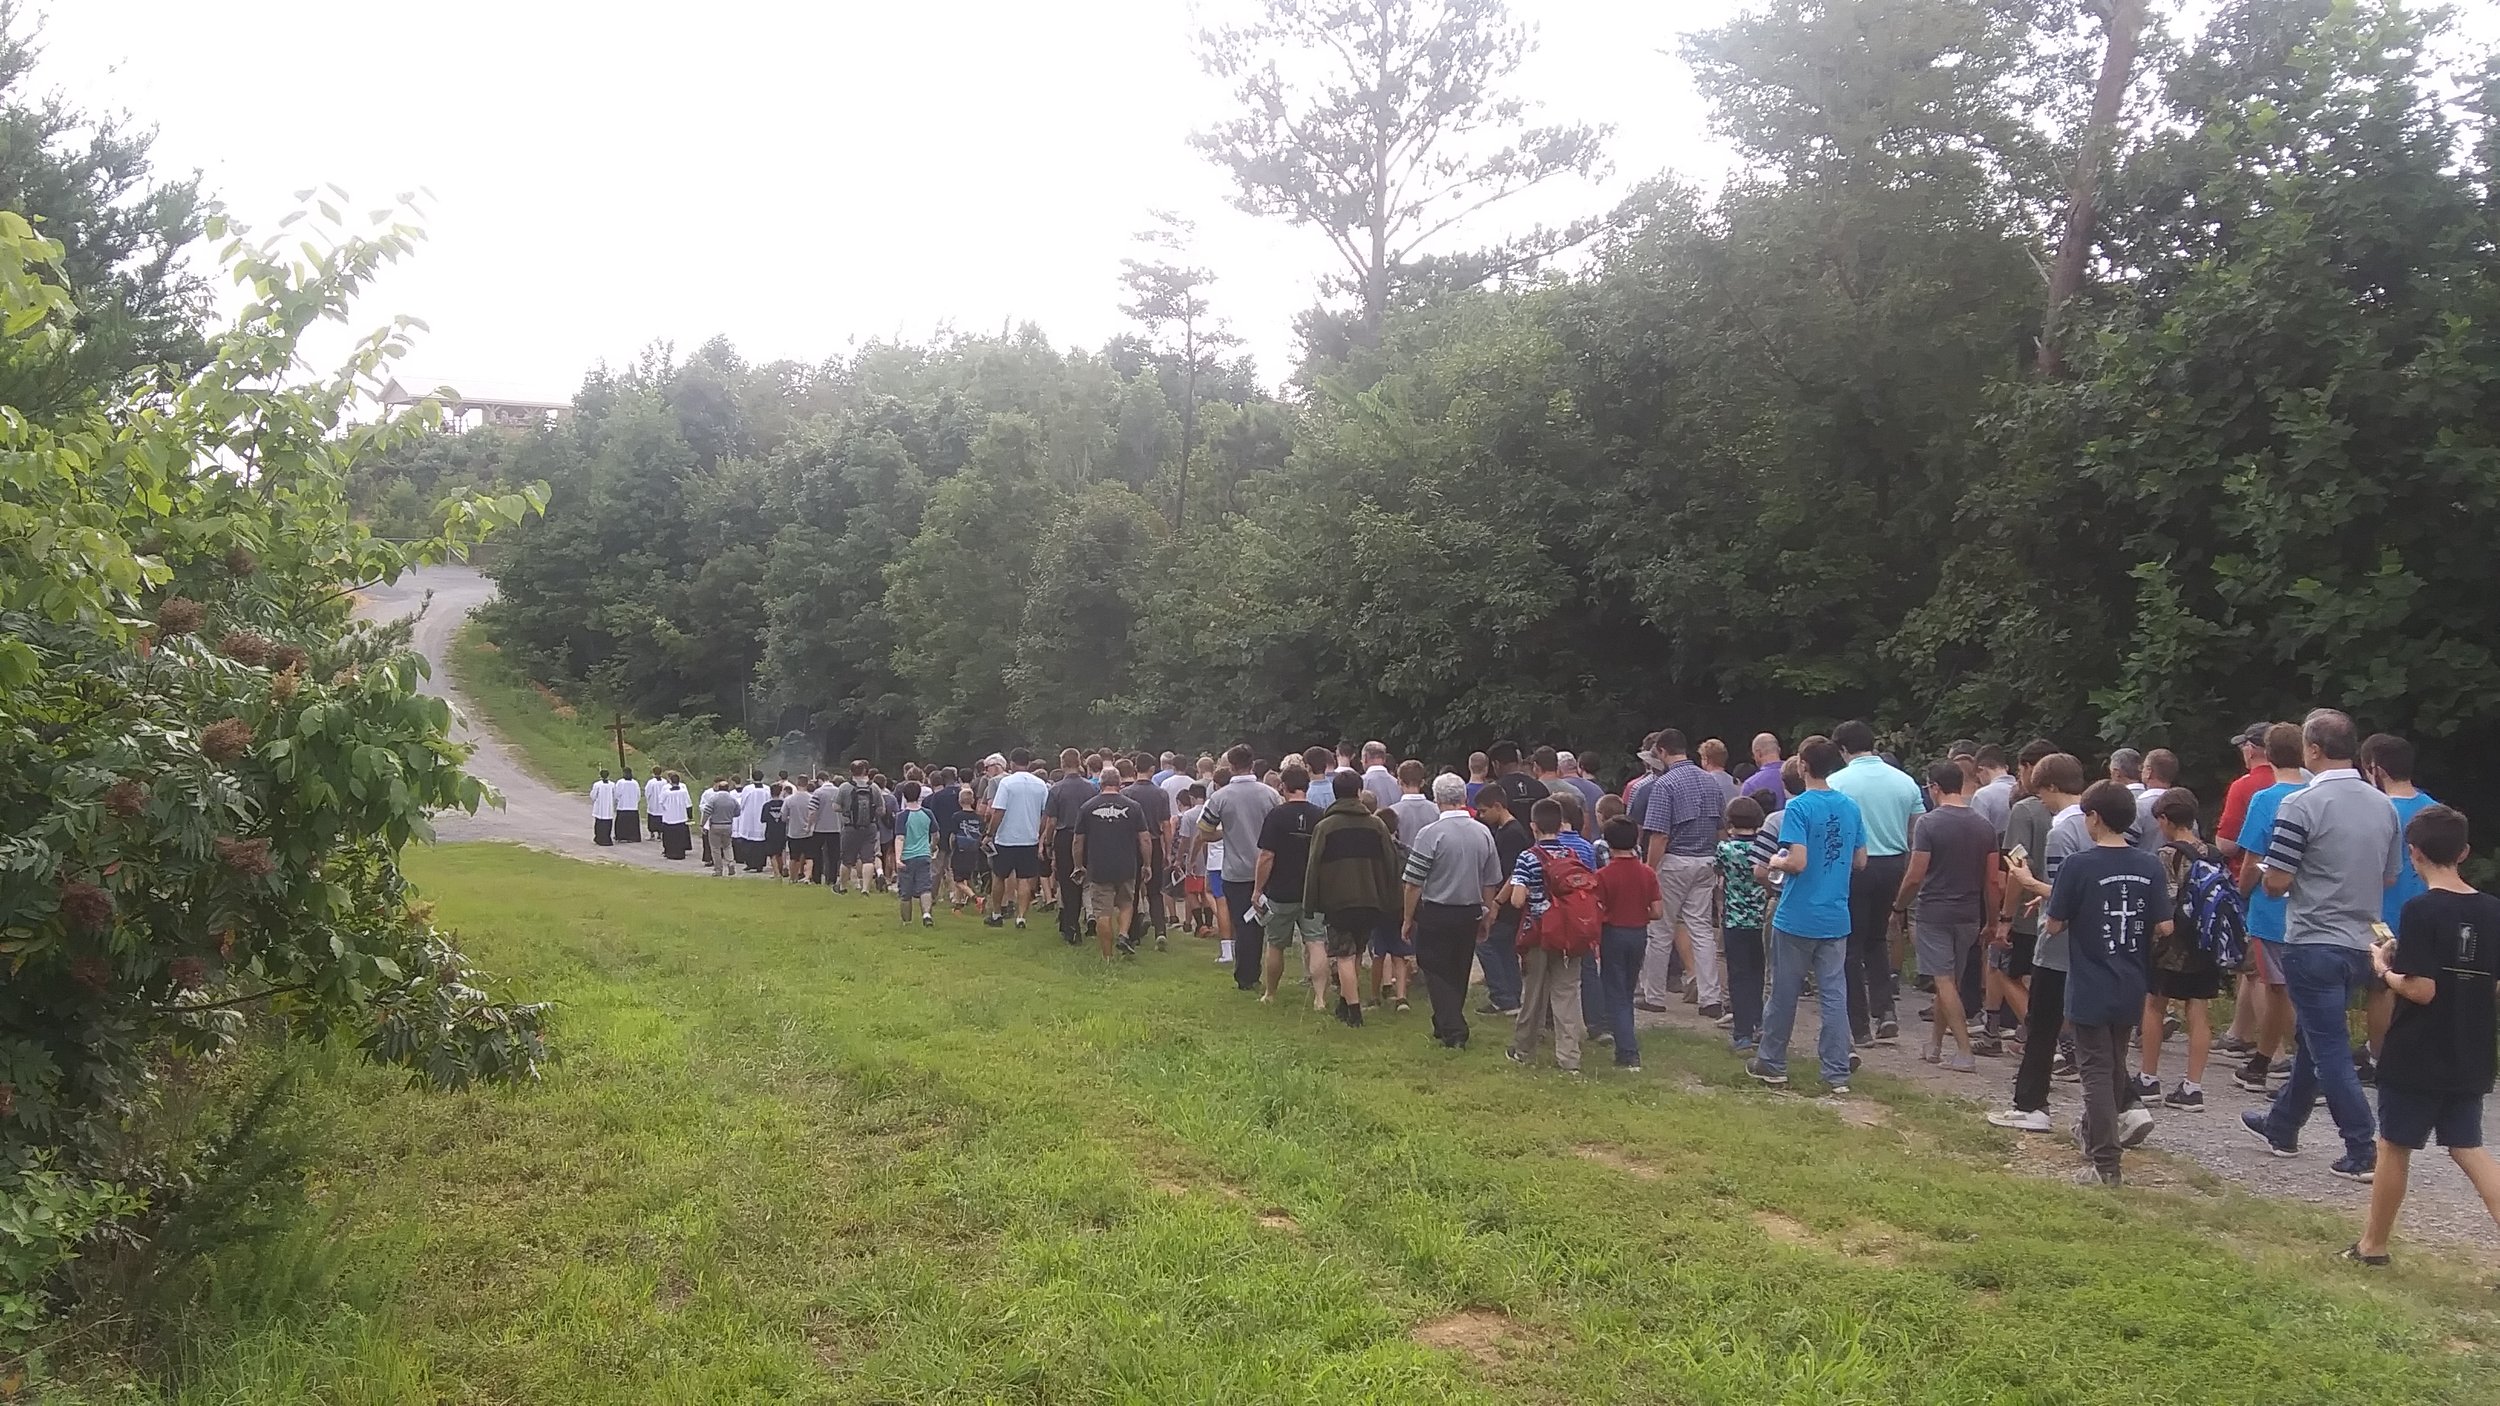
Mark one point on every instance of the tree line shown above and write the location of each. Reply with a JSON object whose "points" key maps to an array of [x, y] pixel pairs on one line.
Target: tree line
{"points": [[1803, 448]]}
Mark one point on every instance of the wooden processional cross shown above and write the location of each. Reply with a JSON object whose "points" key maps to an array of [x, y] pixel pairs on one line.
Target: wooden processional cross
{"points": [[618, 727]]}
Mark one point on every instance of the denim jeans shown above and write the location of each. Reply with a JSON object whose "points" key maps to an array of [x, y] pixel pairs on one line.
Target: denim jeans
{"points": [[1593, 1016], [2321, 980], [1499, 955], [1792, 957], [1621, 952]]}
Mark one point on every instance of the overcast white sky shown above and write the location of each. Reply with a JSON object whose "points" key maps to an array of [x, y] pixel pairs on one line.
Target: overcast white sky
{"points": [[794, 174]]}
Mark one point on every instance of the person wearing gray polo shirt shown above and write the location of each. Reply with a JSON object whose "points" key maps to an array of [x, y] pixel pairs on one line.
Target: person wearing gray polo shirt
{"points": [[1452, 873], [1234, 815], [2334, 850]]}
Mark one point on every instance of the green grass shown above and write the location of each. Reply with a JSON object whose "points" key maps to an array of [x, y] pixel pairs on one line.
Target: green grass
{"points": [[564, 751], [795, 1152]]}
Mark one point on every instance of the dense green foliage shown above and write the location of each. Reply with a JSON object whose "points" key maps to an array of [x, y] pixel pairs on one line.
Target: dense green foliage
{"points": [[1771, 459], [207, 771], [795, 1153]]}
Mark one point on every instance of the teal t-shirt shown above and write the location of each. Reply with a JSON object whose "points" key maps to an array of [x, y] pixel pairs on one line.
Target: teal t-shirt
{"points": [[2408, 884], [915, 827]]}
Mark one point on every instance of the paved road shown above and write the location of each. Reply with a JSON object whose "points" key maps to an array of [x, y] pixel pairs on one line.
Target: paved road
{"points": [[533, 813], [2442, 1205]]}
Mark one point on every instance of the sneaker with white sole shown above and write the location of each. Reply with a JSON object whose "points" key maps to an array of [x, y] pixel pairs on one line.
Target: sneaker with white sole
{"points": [[1766, 1074], [2134, 1126], [2022, 1120]]}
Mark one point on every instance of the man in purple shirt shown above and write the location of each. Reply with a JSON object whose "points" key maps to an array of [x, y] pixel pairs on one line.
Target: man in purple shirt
{"points": [[1681, 815], [1764, 784]]}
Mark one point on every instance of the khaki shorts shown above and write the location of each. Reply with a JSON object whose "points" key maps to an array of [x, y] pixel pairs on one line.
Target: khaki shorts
{"points": [[1287, 925], [1106, 900]]}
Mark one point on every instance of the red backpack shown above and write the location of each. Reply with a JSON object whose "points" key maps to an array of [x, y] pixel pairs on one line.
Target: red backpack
{"points": [[1572, 915]]}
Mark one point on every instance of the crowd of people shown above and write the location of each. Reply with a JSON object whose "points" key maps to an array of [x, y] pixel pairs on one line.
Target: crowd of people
{"points": [[2064, 919]]}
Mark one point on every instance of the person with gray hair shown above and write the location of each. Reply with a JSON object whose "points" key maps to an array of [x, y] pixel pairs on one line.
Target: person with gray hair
{"points": [[2332, 851], [1452, 874]]}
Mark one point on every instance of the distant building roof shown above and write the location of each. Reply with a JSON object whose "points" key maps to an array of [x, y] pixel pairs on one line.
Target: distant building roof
{"points": [[468, 398]]}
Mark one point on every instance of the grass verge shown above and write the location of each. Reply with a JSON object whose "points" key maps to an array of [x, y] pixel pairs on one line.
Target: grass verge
{"points": [[796, 1152], [559, 746]]}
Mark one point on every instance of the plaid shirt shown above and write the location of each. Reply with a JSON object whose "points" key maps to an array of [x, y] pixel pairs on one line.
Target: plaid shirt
{"points": [[1684, 805]]}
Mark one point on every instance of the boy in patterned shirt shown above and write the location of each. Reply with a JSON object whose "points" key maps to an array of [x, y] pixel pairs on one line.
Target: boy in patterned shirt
{"points": [[1741, 936]]}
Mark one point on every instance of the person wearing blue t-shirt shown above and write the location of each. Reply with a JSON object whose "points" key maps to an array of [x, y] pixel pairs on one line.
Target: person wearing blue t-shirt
{"points": [[1822, 840], [2267, 912], [2387, 760]]}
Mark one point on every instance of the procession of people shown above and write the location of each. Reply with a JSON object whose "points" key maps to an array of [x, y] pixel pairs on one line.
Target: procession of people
{"points": [[2074, 923]]}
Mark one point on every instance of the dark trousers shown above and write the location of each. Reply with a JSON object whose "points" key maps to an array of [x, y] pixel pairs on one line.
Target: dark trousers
{"points": [[1445, 947], [828, 857], [1071, 893], [603, 832], [1743, 949], [2108, 1089], [1870, 971], [2048, 1016], [1150, 898], [1970, 985], [1249, 944]]}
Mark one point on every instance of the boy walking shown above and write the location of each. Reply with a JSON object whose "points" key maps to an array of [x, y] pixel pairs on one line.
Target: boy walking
{"points": [[1560, 863], [913, 828], [2110, 901], [2438, 1061], [1822, 845]]}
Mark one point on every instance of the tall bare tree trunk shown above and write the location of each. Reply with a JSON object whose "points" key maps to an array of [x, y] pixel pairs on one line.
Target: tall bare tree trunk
{"points": [[2126, 24]]}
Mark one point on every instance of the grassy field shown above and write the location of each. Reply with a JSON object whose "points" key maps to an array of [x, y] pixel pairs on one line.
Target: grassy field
{"points": [[560, 747], [795, 1152]]}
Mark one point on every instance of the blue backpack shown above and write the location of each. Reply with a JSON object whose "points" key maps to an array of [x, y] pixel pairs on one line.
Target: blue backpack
{"points": [[2211, 906]]}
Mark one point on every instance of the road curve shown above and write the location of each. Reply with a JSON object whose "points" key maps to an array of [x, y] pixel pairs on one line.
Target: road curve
{"points": [[533, 813]]}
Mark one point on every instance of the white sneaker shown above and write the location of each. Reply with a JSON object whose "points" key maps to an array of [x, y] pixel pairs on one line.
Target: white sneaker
{"points": [[2021, 1120], [2134, 1126], [1224, 953]]}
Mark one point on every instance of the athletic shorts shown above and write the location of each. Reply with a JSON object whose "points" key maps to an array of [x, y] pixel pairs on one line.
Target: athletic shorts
{"points": [[1215, 886], [1350, 931], [1194, 885], [1942, 946], [1105, 900], [2267, 960], [776, 844], [1017, 862], [916, 881], [1287, 925], [1389, 936], [858, 846], [965, 863], [2014, 959], [2412, 1117], [2202, 982]]}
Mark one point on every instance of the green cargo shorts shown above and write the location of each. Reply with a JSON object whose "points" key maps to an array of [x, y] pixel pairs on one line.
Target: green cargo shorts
{"points": [[1287, 924]]}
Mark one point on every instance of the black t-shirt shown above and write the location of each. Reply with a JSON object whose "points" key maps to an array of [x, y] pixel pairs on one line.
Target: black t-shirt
{"points": [[1066, 806], [1110, 825], [2446, 1046], [1510, 840], [1153, 802], [1286, 833], [1523, 791]]}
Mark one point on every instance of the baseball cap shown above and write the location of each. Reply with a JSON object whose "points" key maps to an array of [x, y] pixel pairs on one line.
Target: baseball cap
{"points": [[2253, 735], [994, 759]]}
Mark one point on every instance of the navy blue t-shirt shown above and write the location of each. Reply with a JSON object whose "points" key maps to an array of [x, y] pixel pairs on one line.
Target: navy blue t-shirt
{"points": [[2110, 897]]}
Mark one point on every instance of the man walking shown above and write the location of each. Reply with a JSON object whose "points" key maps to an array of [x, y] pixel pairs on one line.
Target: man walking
{"points": [[1109, 849], [1015, 821], [826, 816], [720, 817], [1888, 801], [2334, 850], [1453, 875], [1234, 814], [798, 826], [1284, 863], [1350, 882], [1764, 784], [1681, 813], [1155, 804], [1069, 795], [603, 810], [627, 793]]}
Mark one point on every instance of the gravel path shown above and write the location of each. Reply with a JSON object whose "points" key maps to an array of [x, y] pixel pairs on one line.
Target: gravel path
{"points": [[2441, 1206]]}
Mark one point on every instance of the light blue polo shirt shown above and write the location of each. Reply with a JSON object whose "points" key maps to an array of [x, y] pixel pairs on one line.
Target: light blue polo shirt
{"points": [[1888, 800]]}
